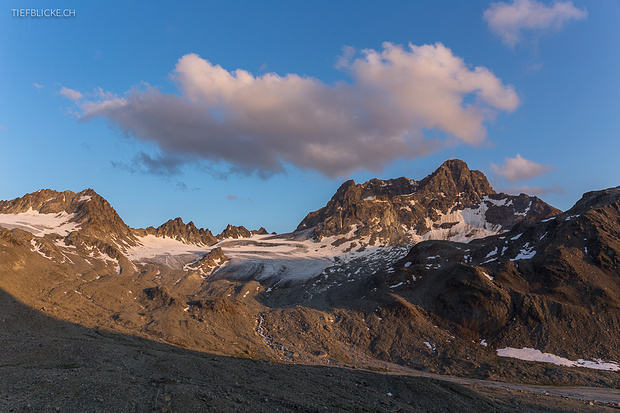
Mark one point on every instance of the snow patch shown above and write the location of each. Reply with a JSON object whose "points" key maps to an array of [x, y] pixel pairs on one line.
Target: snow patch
{"points": [[527, 209], [465, 225], [498, 202], [530, 354], [492, 253], [40, 224], [37, 248], [151, 246], [486, 274], [526, 253]]}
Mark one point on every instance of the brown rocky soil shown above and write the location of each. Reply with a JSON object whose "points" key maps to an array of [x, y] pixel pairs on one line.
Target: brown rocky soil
{"points": [[49, 365]]}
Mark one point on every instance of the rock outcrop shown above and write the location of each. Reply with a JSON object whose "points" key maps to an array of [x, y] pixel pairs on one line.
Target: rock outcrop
{"points": [[232, 231], [188, 233]]}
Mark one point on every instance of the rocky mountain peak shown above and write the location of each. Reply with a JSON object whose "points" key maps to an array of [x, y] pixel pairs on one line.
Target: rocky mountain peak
{"points": [[453, 178], [91, 212], [189, 233], [232, 231], [452, 203]]}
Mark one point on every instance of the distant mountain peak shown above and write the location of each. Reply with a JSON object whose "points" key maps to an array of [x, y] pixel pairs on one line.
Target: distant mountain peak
{"points": [[91, 212], [177, 229], [454, 177], [453, 203]]}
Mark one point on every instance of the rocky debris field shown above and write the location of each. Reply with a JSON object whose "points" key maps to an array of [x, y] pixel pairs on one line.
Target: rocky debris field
{"points": [[53, 366]]}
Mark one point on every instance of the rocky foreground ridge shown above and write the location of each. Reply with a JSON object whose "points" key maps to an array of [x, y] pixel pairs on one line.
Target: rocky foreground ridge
{"points": [[438, 275]]}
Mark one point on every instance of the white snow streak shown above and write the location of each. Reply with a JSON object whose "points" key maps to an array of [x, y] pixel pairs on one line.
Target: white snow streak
{"points": [[530, 354], [526, 253], [39, 224]]}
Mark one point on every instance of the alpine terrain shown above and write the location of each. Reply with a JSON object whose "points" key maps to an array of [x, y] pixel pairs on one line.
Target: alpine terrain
{"points": [[442, 277]]}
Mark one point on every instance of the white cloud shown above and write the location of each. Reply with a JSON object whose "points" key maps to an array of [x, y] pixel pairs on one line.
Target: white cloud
{"points": [[38, 86], [508, 20], [345, 58], [70, 93], [519, 169], [259, 123]]}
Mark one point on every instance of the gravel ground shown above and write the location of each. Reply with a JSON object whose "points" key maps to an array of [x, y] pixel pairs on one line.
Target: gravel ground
{"points": [[48, 365]]}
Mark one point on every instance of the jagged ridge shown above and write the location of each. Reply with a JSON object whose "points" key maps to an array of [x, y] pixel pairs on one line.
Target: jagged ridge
{"points": [[403, 211]]}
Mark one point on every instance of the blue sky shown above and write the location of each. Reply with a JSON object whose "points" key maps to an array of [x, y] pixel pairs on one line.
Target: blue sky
{"points": [[143, 101]]}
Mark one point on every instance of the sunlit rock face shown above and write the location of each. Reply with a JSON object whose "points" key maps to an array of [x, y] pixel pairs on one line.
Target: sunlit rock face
{"points": [[453, 203]]}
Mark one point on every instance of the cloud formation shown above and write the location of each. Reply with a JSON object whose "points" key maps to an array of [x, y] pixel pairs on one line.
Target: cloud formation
{"points": [[69, 93], [519, 169], [154, 165], [508, 20], [260, 123]]}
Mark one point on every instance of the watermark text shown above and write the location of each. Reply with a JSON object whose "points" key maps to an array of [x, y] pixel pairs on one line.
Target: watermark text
{"points": [[43, 12]]}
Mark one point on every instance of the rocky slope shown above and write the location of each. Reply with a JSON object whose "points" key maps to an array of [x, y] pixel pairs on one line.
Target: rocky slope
{"points": [[453, 203], [47, 365], [552, 285]]}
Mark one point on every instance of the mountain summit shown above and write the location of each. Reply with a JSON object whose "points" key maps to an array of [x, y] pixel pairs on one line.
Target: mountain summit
{"points": [[86, 210], [453, 203]]}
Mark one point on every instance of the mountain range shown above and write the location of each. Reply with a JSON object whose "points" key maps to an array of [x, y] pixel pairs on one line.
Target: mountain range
{"points": [[442, 275]]}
